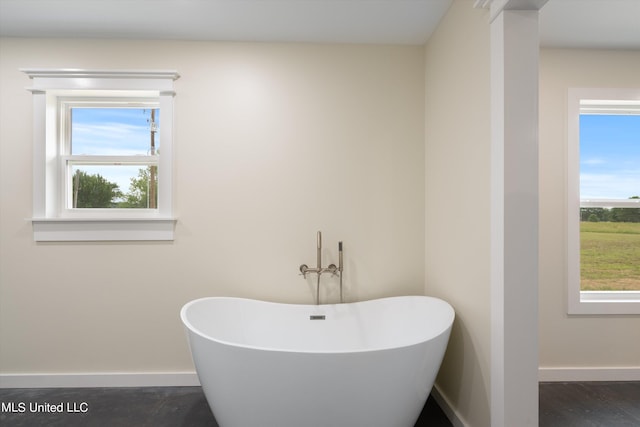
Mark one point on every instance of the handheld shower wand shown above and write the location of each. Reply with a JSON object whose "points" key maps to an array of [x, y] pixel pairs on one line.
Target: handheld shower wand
{"points": [[340, 267]]}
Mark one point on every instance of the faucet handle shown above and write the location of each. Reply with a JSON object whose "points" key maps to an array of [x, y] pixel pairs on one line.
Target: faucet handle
{"points": [[303, 270], [332, 269]]}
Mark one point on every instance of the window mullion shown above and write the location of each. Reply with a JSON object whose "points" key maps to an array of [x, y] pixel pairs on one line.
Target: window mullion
{"points": [[610, 203], [110, 160]]}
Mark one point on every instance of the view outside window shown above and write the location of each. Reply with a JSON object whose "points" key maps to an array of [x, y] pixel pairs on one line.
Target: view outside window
{"points": [[113, 157], [609, 175]]}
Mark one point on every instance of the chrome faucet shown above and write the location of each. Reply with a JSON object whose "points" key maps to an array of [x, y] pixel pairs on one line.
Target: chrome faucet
{"points": [[331, 268], [305, 269]]}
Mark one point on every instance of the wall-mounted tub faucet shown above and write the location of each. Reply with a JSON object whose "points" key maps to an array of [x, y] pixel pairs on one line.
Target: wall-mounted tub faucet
{"points": [[331, 268]]}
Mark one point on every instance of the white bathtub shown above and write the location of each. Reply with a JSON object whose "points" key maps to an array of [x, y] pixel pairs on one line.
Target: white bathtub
{"points": [[370, 363]]}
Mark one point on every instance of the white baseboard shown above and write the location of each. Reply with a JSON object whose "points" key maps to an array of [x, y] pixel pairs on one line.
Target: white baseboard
{"points": [[446, 407], [106, 379], [588, 374]]}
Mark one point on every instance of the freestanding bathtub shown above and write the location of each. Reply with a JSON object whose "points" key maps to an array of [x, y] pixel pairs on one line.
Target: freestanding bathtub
{"points": [[370, 363]]}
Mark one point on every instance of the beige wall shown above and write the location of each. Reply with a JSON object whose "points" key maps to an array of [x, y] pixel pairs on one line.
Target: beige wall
{"points": [[574, 341], [277, 141], [457, 193], [273, 142]]}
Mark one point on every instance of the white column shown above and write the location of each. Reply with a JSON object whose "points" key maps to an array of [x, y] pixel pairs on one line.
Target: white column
{"points": [[514, 216], [40, 154]]}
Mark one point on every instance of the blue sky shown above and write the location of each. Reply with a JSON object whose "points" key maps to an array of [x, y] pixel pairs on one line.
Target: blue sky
{"points": [[609, 156], [113, 131]]}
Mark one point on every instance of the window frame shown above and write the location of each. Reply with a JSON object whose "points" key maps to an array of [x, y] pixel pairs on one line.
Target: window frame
{"points": [[67, 159], [51, 220], [591, 302]]}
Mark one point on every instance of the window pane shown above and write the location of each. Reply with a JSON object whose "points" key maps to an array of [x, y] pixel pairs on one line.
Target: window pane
{"points": [[610, 255], [115, 131], [114, 186], [609, 156], [609, 169]]}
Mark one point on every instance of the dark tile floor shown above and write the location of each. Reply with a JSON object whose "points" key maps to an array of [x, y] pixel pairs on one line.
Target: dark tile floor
{"points": [[129, 407], [577, 404], [590, 404]]}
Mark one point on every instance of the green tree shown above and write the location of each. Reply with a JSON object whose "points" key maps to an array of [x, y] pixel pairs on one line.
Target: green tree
{"points": [[626, 214], [93, 191], [138, 195], [600, 214]]}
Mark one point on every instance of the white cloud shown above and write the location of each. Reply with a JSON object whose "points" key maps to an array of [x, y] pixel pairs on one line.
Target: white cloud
{"points": [[593, 161], [621, 185]]}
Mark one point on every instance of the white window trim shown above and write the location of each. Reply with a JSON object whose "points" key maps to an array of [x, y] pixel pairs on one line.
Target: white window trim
{"points": [[590, 302], [49, 221]]}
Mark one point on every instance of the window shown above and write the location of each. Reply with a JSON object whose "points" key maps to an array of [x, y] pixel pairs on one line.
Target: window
{"points": [[604, 201], [102, 155], [110, 153]]}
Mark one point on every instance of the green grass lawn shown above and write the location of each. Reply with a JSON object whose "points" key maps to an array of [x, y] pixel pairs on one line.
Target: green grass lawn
{"points": [[609, 256]]}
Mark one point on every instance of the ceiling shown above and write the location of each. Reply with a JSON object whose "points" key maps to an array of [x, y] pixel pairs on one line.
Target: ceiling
{"points": [[612, 24], [563, 23]]}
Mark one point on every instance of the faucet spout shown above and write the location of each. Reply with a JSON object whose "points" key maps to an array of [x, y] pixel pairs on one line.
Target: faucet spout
{"points": [[319, 251]]}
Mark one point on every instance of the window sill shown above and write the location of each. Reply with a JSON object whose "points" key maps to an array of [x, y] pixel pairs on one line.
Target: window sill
{"points": [[102, 229], [606, 302]]}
